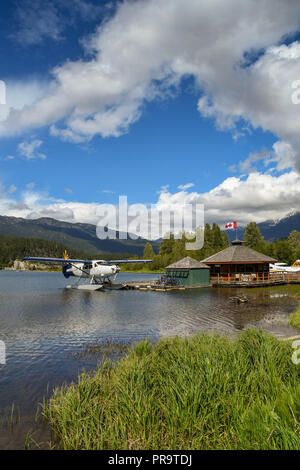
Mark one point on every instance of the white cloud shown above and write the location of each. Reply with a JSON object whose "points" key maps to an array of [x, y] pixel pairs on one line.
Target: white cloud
{"points": [[253, 158], [147, 47], [282, 155], [12, 189], [164, 189], [183, 187], [21, 95], [256, 197], [30, 150], [262, 96], [67, 135]]}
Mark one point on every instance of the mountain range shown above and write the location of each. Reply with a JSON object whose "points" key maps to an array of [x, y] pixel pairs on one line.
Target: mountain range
{"points": [[77, 236], [273, 230], [83, 237]]}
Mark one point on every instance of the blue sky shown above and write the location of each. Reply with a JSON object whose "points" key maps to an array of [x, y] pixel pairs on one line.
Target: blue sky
{"points": [[170, 145], [144, 108]]}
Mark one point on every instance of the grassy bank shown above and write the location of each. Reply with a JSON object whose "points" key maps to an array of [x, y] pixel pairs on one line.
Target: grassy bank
{"points": [[203, 392], [295, 319]]}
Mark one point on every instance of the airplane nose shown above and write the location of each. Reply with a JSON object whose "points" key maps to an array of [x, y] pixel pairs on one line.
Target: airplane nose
{"points": [[67, 271]]}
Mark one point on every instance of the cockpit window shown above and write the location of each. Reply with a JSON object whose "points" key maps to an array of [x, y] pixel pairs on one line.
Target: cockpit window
{"points": [[86, 266]]}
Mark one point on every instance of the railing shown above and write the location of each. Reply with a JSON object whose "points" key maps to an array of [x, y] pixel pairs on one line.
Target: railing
{"points": [[279, 277]]}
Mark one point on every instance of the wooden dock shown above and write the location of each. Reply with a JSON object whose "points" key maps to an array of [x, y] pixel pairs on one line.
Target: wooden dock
{"points": [[248, 280], [151, 286], [266, 279]]}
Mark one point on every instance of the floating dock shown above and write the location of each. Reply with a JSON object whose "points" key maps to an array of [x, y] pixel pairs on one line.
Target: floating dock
{"points": [[151, 286]]}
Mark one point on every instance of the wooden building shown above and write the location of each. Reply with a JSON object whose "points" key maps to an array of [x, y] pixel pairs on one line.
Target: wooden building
{"points": [[238, 259], [190, 272]]}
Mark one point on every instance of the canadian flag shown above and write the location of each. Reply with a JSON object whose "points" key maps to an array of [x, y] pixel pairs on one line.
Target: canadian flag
{"points": [[230, 226]]}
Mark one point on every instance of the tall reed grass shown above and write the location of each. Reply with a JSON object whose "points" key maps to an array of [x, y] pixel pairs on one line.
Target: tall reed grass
{"points": [[295, 319], [202, 392]]}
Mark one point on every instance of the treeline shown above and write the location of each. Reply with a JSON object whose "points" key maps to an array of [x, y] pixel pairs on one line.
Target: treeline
{"points": [[171, 250], [12, 248], [286, 250]]}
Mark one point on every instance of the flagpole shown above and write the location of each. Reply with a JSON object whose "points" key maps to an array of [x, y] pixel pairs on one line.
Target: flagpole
{"points": [[230, 226]]}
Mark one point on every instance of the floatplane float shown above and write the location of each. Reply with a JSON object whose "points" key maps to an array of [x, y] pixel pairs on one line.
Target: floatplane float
{"points": [[98, 272]]}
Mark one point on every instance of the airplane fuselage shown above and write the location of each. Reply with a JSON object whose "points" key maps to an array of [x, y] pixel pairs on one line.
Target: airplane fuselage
{"points": [[96, 270], [283, 267]]}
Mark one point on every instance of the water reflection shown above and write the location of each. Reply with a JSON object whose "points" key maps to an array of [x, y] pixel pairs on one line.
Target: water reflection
{"points": [[44, 325]]}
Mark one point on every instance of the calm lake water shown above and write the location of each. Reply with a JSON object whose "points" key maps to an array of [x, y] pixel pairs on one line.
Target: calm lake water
{"points": [[45, 328]]}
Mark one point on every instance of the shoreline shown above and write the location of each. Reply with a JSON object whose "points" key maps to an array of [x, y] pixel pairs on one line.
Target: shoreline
{"points": [[140, 271], [185, 391], [293, 290], [294, 320]]}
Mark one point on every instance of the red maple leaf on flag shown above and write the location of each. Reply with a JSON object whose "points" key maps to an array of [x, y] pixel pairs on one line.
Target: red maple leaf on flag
{"points": [[230, 225]]}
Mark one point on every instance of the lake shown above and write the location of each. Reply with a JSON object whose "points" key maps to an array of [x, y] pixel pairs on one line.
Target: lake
{"points": [[46, 327]]}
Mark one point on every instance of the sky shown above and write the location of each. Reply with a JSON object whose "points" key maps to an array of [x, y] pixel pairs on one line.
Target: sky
{"points": [[164, 101]]}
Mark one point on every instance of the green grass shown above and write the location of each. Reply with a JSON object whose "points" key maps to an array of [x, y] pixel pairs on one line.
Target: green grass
{"points": [[203, 392], [295, 319]]}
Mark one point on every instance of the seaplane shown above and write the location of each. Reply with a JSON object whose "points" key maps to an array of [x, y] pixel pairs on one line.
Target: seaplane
{"points": [[283, 267], [98, 272]]}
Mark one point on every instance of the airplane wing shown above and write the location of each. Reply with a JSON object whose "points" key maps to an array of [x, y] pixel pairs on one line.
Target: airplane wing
{"points": [[58, 260], [127, 261], [85, 261]]}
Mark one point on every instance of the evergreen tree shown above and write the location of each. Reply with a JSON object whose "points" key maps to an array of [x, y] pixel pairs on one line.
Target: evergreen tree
{"points": [[208, 247], [179, 251], [148, 251], [167, 245], [283, 252], [252, 236], [294, 243], [217, 238], [268, 249], [12, 248], [226, 242]]}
